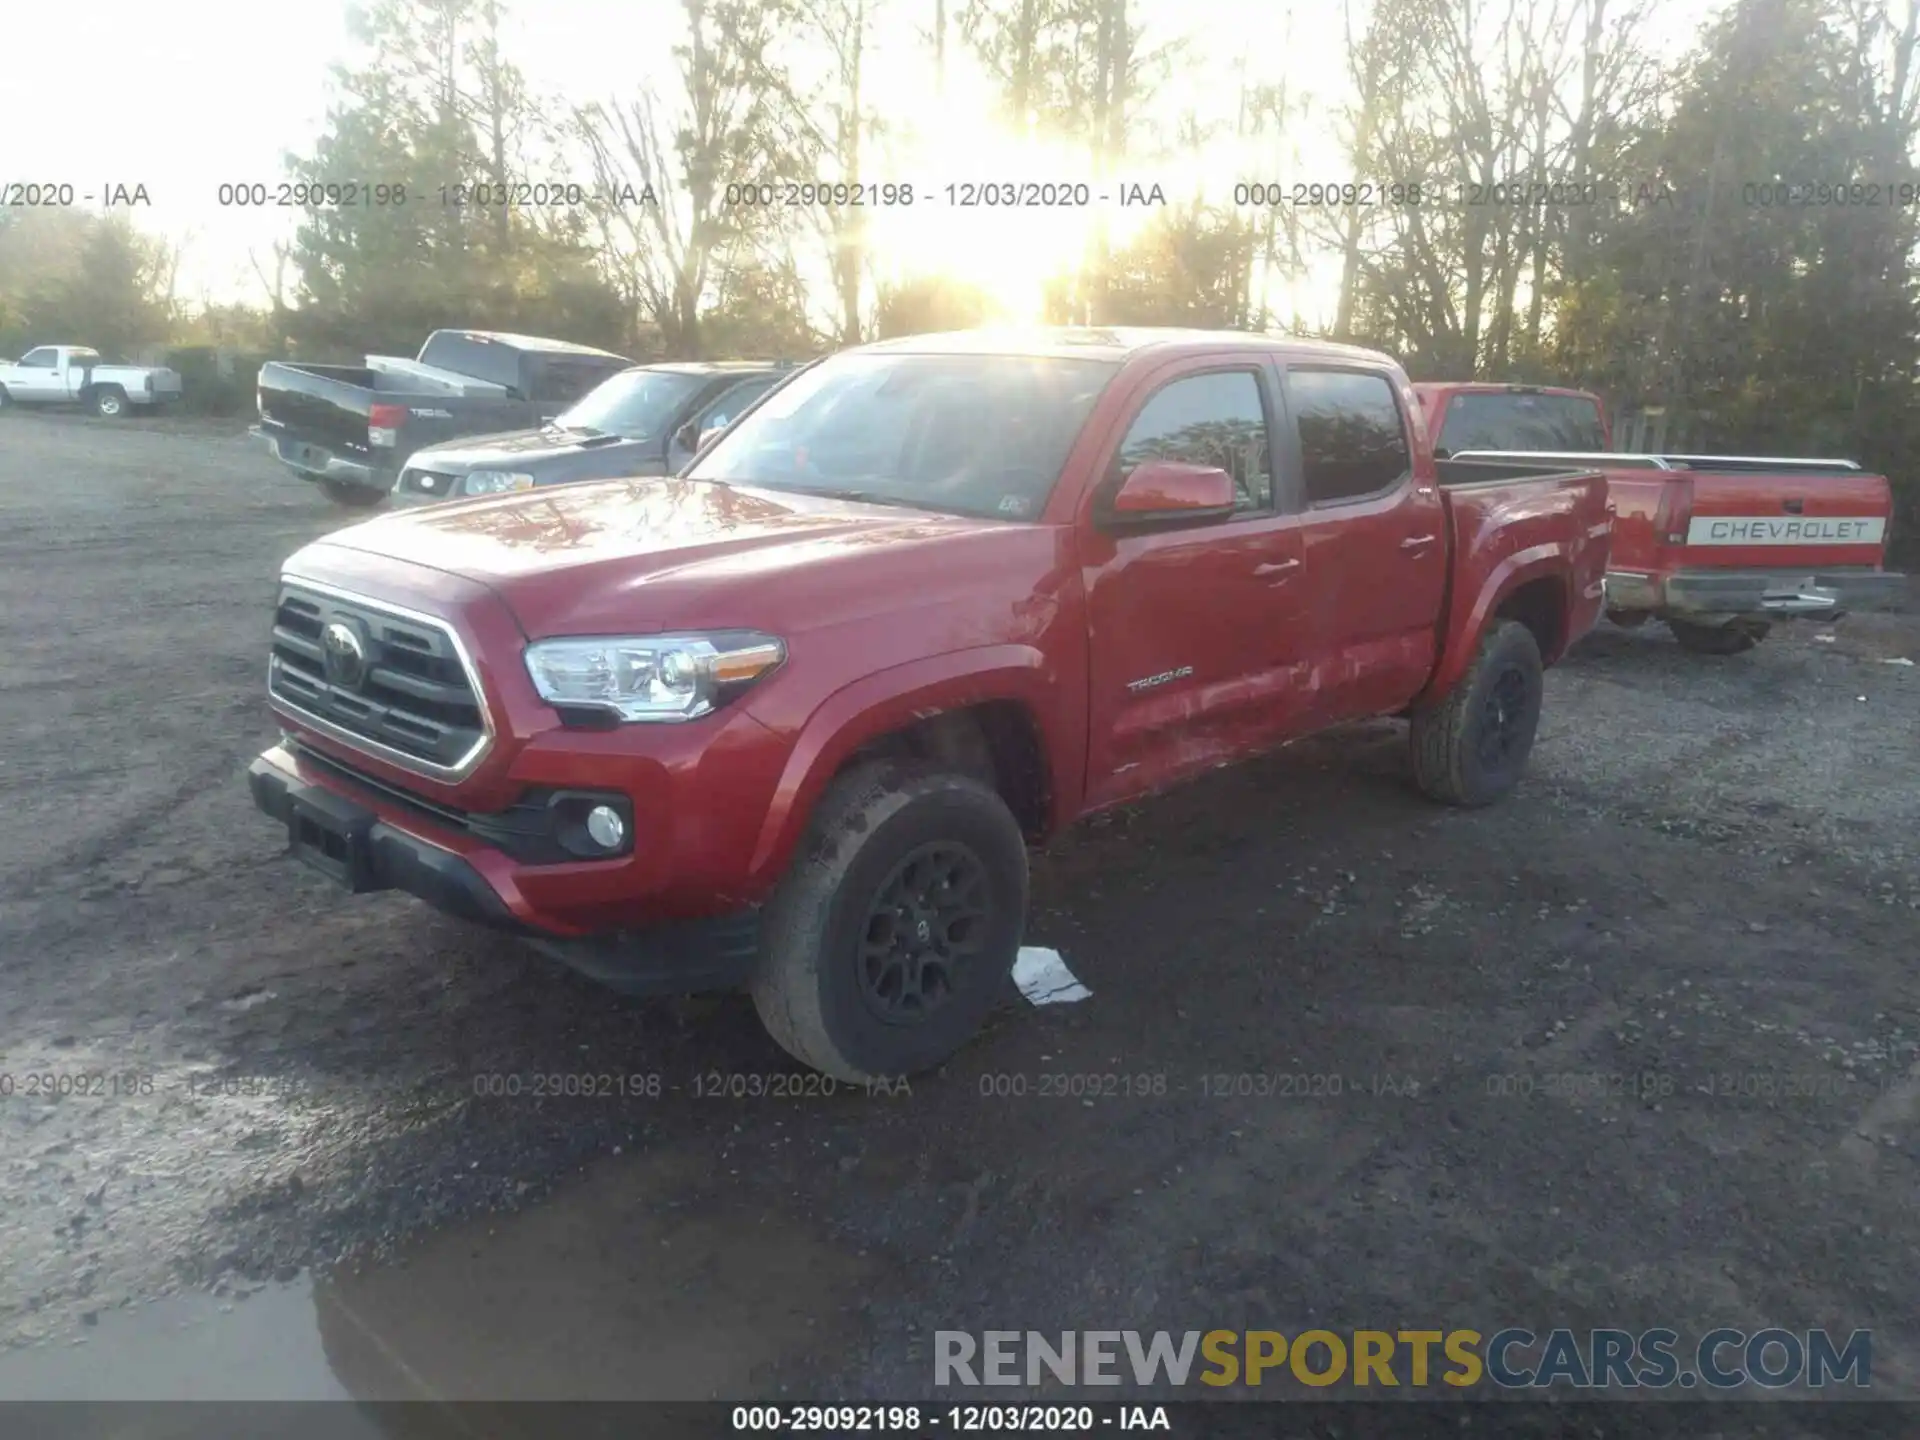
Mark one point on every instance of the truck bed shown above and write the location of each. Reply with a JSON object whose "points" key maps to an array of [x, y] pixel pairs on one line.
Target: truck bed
{"points": [[1507, 518]]}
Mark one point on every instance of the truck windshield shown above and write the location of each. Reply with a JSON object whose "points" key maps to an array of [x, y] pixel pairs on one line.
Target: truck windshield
{"points": [[635, 404], [1516, 420], [976, 435]]}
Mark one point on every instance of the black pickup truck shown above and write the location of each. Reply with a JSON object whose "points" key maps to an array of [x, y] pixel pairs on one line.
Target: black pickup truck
{"points": [[350, 429], [641, 422]]}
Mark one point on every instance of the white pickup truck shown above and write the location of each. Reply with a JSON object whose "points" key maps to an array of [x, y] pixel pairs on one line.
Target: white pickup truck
{"points": [[75, 375]]}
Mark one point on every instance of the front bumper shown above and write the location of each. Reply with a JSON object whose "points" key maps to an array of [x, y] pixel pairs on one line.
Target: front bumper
{"points": [[378, 856], [1717, 594], [316, 462], [365, 853]]}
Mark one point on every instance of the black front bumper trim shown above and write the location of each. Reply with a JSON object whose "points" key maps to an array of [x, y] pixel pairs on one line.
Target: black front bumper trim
{"points": [[389, 859]]}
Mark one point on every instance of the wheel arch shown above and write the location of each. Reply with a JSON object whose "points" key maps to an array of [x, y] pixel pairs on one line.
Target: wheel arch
{"points": [[980, 711]]}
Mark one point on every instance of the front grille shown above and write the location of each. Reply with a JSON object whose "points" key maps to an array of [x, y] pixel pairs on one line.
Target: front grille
{"points": [[412, 700], [430, 482]]}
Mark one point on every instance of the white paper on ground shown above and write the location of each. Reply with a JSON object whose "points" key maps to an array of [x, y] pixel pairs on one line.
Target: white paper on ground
{"points": [[1043, 977], [1896, 662]]}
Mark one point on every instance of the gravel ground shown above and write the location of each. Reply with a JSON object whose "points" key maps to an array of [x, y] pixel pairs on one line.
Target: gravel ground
{"points": [[1710, 880]]}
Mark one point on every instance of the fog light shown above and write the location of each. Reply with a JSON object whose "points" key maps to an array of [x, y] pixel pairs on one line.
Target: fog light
{"points": [[605, 827]]}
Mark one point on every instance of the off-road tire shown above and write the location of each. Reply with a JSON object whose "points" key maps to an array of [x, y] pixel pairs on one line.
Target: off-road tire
{"points": [[1449, 761], [109, 402], [353, 497], [808, 986], [1734, 639]]}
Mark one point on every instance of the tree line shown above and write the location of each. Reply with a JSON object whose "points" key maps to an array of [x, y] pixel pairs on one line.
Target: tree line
{"points": [[1728, 232]]}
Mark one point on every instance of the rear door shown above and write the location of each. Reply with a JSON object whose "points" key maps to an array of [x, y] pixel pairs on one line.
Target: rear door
{"points": [[1374, 536], [1197, 631]]}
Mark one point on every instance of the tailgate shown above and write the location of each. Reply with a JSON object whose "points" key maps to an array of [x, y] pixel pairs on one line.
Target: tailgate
{"points": [[1783, 520], [315, 407]]}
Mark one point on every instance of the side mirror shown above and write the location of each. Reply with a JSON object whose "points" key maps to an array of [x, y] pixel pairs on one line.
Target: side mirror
{"points": [[686, 437], [1440, 452], [1160, 490]]}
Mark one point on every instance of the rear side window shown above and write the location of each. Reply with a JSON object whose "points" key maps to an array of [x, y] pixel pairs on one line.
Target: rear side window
{"points": [[1208, 420], [1353, 442], [1519, 421], [564, 379]]}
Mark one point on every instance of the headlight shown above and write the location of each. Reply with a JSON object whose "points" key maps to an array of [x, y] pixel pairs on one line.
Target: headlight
{"points": [[652, 677], [494, 482]]}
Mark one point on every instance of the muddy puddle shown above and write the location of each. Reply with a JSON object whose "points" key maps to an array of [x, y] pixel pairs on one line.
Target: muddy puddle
{"points": [[641, 1281]]}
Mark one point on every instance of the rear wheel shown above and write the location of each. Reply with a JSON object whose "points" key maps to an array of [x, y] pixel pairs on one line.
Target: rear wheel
{"points": [[354, 497], [1472, 747], [1732, 639], [892, 935], [110, 402]]}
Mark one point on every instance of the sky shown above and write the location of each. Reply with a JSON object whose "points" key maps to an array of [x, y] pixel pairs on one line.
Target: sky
{"points": [[182, 96]]}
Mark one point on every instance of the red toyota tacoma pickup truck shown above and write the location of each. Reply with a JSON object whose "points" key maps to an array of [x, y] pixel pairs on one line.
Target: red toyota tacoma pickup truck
{"points": [[1717, 546], [789, 721]]}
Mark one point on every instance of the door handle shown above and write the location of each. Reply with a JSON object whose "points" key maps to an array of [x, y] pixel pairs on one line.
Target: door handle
{"points": [[1416, 542], [1278, 567]]}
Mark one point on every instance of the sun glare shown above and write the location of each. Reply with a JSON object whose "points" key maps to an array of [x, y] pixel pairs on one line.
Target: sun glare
{"points": [[1009, 252]]}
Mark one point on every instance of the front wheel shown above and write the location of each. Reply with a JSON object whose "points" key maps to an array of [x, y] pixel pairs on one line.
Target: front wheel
{"points": [[892, 935], [109, 402], [1472, 747], [1735, 639], [354, 497]]}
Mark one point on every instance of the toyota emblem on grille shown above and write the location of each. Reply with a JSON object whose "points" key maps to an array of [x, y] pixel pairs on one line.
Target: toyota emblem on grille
{"points": [[346, 656]]}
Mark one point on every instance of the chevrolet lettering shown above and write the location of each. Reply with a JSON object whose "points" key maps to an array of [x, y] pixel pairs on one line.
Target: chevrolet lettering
{"points": [[1784, 530]]}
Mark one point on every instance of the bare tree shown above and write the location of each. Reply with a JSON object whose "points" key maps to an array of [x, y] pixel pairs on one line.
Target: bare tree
{"points": [[664, 244]]}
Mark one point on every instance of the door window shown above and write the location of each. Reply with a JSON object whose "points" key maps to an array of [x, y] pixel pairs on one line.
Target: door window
{"points": [[1214, 419], [45, 358], [727, 408], [1353, 443]]}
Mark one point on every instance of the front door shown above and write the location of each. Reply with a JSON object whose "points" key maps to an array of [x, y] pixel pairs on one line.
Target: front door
{"points": [[1195, 629], [37, 376]]}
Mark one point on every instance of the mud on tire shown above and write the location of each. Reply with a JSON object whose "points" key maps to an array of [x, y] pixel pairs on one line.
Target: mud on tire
{"points": [[1472, 747], [910, 882]]}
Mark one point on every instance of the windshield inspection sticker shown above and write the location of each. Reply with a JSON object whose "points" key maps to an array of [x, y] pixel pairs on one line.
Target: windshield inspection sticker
{"points": [[1043, 977]]}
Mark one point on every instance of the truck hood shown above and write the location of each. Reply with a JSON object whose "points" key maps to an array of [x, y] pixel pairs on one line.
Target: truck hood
{"points": [[608, 556], [523, 448]]}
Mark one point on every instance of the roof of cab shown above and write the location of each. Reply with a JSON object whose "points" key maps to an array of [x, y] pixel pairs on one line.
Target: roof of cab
{"points": [[1121, 342], [537, 344], [1496, 387], [718, 367]]}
